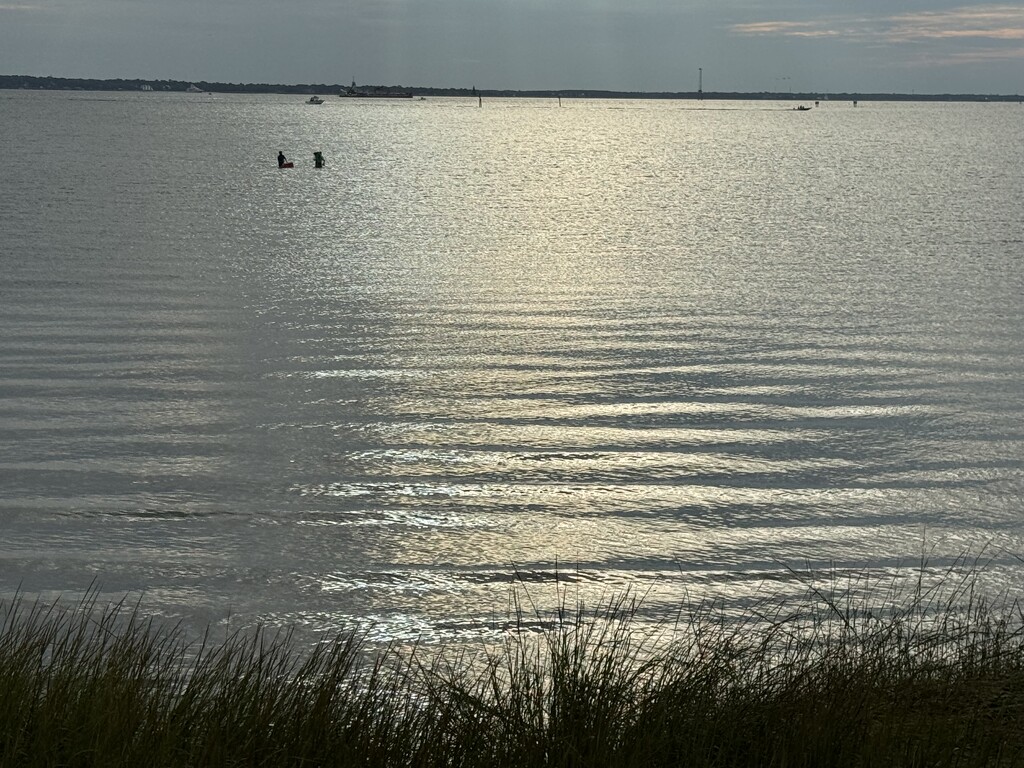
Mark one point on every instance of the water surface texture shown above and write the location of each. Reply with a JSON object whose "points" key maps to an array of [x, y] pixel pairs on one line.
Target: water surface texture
{"points": [[670, 346]]}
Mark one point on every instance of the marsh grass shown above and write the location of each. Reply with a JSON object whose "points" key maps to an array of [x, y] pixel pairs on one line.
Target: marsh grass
{"points": [[934, 678]]}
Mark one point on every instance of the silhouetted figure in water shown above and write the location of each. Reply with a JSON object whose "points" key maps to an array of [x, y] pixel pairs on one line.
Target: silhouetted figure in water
{"points": [[280, 159], [318, 159]]}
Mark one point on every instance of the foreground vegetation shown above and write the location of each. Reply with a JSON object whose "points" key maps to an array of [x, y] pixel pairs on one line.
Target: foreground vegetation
{"points": [[937, 680]]}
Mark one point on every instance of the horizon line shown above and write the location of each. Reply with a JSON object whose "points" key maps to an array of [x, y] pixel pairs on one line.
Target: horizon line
{"points": [[7, 83]]}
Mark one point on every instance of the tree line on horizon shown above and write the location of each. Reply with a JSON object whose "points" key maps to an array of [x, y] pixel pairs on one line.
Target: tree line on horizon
{"points": [[52, 83]]}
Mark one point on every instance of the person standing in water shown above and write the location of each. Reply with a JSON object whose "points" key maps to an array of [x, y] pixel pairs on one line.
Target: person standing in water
{"points": [[280, 159], [318, 159]]}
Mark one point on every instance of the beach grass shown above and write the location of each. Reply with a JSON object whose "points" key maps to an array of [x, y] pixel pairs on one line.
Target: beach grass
{"points": [[933, 677]]}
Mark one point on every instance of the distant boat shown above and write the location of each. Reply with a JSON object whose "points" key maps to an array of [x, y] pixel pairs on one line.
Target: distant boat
{"points": [[801, 108], [146, 88], [192, 89], [315, 100], [374, 93]]}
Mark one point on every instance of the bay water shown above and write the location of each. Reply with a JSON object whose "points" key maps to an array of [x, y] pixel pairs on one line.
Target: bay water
{"points": [[688, 349]]}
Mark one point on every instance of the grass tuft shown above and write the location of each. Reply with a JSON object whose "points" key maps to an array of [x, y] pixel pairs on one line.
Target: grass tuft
{"points": [[933, 678]]}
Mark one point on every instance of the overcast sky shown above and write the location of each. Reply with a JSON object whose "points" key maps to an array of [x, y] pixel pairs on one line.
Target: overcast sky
{"points": [[933, 46]]}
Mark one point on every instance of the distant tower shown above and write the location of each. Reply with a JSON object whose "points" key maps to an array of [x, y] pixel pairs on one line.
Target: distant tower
{"points": [[700, 82]]}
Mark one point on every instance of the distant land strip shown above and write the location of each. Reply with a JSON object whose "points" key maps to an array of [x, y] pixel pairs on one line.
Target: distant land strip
{"points": [[29, 82]]}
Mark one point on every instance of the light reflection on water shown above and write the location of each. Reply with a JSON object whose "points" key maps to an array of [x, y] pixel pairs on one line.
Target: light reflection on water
{"points": [[670, 349]]}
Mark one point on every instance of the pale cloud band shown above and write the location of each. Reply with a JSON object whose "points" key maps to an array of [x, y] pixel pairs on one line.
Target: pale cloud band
{"points": [[986, 22]]}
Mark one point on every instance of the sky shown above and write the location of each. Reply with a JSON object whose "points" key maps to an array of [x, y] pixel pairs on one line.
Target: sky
{"points": [[804, 46]]}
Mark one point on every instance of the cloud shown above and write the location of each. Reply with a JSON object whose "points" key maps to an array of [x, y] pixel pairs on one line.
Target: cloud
{"points": [[984, 22], [995, 22], [976, 56], [788, 29]]}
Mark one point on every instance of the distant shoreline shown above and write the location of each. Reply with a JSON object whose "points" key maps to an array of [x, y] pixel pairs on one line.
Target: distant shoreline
{"points": [[29, 82]]}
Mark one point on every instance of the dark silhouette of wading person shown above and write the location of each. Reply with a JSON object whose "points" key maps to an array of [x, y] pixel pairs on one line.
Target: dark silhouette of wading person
{"points": [[318, 159], [280, 159]]}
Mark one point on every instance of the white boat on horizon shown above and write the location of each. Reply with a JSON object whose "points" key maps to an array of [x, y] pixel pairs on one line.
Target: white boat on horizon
{"points": [[375, 92]]}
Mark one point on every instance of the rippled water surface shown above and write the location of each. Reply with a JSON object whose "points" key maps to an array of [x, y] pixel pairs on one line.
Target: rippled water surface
{"points": [[669, 346]]}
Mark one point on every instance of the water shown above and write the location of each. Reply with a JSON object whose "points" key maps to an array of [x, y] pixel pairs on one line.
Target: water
{"points": [[665, 346]]}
